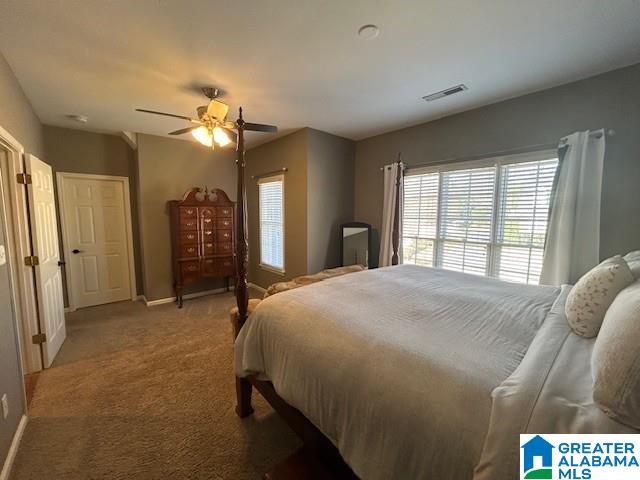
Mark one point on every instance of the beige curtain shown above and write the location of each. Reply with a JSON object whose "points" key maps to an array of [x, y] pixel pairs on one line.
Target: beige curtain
{"points": [[388, 213]]}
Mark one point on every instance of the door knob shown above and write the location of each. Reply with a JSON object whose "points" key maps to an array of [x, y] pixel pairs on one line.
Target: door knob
{"points": [[75, 250]]}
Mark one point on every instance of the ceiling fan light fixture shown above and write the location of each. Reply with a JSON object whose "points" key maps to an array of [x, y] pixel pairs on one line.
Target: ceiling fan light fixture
{"points": [[203, 136], [221, 137]]}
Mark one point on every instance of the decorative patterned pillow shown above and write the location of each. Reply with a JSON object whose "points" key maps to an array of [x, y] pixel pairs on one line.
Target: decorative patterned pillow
{"points": [[633, 260], [590, 298], [615, 362]]}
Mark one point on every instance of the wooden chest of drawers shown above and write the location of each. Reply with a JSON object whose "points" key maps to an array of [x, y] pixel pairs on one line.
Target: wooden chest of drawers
{"points": [[202, 237]]}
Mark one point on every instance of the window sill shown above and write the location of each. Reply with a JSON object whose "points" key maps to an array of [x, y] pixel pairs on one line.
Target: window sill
{"points": [[271, 269]]}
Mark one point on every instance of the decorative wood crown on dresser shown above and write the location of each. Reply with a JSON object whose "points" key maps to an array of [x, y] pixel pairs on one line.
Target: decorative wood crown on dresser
{"points": [[202, 231]]}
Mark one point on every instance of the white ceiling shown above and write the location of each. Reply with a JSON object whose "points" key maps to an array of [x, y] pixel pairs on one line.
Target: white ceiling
{"points": [[297, 63]]}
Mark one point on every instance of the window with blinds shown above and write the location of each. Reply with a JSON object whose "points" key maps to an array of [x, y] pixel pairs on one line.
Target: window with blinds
{"points": [[271, 197], [484, 218]]}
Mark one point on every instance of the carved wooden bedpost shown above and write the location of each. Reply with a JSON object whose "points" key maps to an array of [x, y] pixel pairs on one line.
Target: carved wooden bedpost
{"points": [[243, 387], [395, 234]]}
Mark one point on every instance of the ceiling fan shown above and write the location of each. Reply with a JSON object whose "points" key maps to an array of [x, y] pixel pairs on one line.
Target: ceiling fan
{"points": [[211, 126]]}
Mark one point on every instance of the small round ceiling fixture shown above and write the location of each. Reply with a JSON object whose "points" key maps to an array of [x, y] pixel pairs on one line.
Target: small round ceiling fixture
{"points": [[78, 118], [368, 32]]}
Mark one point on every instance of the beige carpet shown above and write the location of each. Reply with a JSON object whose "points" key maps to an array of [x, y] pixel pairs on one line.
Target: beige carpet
{"points": [[147, 392]]}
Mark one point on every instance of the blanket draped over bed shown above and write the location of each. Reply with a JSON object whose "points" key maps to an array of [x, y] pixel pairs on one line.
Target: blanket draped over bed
{"points": [[397, 366]]}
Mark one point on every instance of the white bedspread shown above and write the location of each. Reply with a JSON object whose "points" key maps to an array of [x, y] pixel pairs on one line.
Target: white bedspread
{"points": [[396, 365]]}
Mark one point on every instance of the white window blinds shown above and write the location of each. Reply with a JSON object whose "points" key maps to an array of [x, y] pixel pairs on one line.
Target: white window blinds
{"points": [[488, 219], [523, 212], [271, 195]]}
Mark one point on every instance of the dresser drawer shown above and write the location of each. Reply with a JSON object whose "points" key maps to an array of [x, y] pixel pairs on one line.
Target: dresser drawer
{"points": [[190, 268], [224, 212], [207, 212], [224, 247], [208, 248], [209, 267], [188, 212], [187, 251], [188, 238], [219, 267], [225, 266], [223, 235], [223, 223], [189, 223]]}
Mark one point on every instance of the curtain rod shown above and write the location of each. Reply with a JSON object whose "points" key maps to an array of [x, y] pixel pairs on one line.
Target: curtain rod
{"points": [[513, 151], [273, 172]]}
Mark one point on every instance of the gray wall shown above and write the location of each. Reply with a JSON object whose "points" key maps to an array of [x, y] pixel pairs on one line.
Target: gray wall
{"points": [[290, 152], [610, 100], [19, 119], [16, 114], [10, 374], [330, 197], [78, 151], [166, 169]]}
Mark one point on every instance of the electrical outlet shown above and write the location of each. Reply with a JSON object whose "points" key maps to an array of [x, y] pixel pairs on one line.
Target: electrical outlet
{"points": [[5, 406]]}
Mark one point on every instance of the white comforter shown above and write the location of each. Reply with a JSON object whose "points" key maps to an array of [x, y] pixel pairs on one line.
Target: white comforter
{"points": [[396, 365]]}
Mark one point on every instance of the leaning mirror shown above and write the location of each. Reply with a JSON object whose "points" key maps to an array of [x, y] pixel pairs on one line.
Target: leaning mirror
{"points": [[356, 244]]}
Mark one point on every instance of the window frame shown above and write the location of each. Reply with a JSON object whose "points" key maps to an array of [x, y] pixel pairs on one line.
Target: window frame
{"points": [[261, 264], [497, 162]]}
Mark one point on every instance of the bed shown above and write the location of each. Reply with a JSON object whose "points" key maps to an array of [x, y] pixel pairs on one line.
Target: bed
{"points": [[409, 372], [448, 374]]}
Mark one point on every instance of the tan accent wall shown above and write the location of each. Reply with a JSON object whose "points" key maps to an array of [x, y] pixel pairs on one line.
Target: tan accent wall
{"points": [[318, 198], [78, 151], [285, 152], [166, 169], [330, 197], [610, 100]]}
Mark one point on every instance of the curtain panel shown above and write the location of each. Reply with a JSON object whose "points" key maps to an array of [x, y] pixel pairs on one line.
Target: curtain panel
{"points": [[393, 181], [573, 238]]}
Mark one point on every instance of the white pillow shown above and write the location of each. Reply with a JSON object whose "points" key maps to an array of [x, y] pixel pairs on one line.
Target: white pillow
{"points": [[633, 260], [615, 361], [590, 298]]}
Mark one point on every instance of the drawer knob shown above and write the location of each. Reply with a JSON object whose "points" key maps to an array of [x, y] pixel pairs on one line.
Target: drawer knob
{"points": [[189, 211], [192, 268], [191, 236], [191, 249], [207, 220]]}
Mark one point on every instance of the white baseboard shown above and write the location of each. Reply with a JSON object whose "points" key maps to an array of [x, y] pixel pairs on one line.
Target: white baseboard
{"points": [[161, 301], [258, 287], [13, 449], [69, 309]]}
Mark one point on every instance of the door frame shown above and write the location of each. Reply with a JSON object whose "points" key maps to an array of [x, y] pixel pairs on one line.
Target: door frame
{"points": [[19, 246], [65, 224]]}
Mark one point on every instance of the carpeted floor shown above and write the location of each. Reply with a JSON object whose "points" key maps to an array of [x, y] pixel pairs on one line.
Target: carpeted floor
{"points": [[147, 392]]}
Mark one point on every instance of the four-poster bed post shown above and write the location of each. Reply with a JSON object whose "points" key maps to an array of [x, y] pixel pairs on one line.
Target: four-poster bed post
{"points": [[395, 234], [243, 386]]}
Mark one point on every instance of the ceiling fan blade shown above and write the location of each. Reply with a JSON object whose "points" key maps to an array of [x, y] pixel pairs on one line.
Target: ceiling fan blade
{"points": [[168, 115], [233, 136], [182, 130], [259, 127]]}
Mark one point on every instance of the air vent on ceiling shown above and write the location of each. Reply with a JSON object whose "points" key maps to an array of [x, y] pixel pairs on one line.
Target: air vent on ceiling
{"points": [[445, 93]]}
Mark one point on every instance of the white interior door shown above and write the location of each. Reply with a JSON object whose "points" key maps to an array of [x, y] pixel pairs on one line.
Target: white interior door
{"points": [[44, 235], [97, 245]]}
